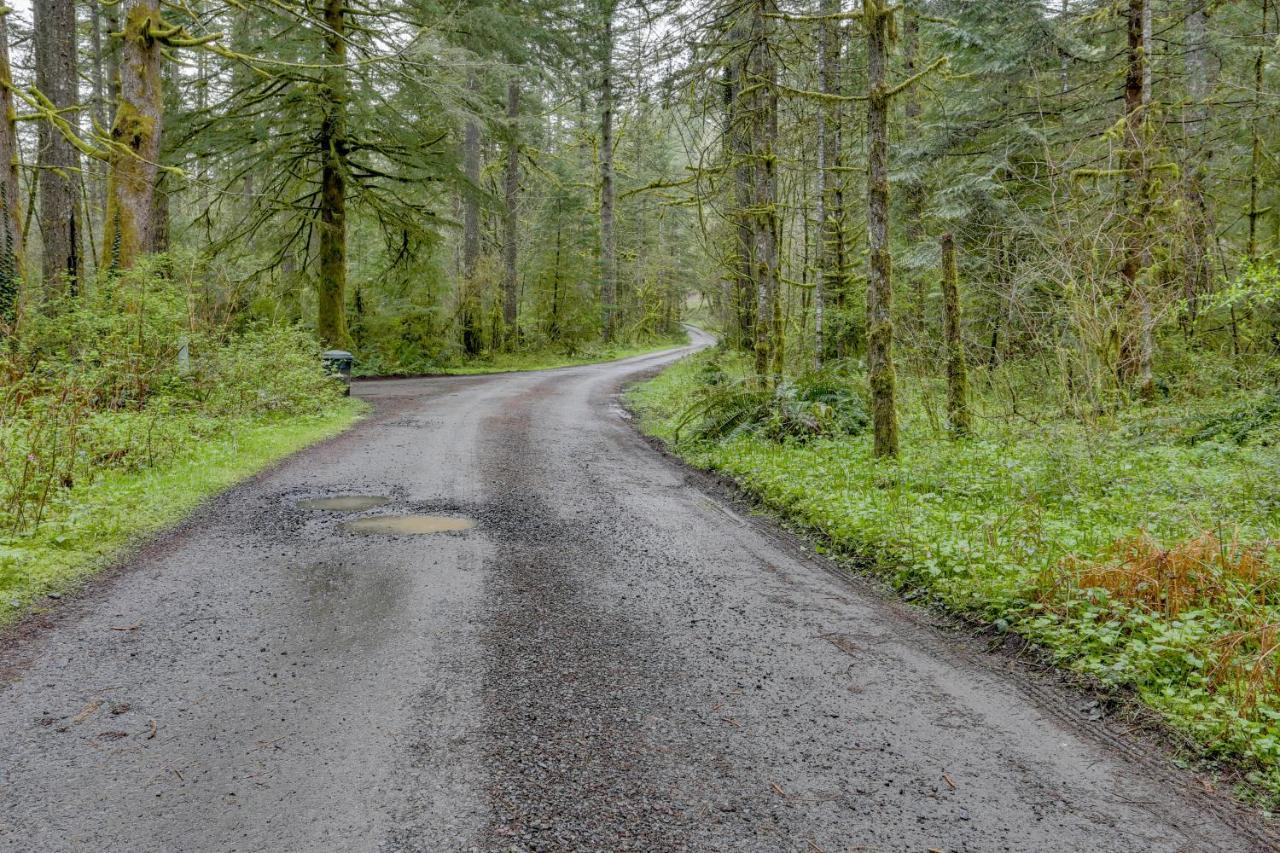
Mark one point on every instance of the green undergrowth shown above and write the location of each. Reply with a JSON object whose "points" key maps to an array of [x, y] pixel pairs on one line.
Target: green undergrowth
{"points": [[94, 524], [1137, 551], [125, 407], [516, 362]]}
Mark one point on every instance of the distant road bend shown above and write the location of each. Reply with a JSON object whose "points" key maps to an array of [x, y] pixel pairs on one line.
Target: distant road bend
{"points": [[612, 658]]}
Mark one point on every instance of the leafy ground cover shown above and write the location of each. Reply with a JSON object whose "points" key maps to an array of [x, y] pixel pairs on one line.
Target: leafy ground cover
{"points": [[1135, 548]]}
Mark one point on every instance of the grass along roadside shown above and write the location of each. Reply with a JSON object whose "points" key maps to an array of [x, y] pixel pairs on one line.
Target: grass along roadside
{"points": [[1128, 551], [93, 524]]}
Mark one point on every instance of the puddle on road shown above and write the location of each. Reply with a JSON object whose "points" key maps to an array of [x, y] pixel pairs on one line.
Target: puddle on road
{"points": [[410, 525], [349, 503]]}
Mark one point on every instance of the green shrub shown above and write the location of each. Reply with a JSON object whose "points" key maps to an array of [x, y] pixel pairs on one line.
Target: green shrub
{"points": [[1255, 421], [814, 405], [131, 375]]}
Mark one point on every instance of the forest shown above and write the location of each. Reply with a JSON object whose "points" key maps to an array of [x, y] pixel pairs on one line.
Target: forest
{"points": [[995, 282]]}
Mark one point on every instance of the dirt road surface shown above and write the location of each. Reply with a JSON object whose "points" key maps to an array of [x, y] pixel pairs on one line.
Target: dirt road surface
{"points": [[614, 657]]}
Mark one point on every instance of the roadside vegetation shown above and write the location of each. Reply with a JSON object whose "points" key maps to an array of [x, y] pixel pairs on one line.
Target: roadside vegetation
{"points": [[1136, 546], [130, 408]]}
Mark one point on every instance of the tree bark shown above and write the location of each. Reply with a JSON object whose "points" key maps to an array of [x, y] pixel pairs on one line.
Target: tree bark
{"points": [[1136, 343], [470, 232], [11, 257], [608, 239], [880, 270], [737, 127], [830, 276], [511, 235], [58, 159], [129, 230], [332, 285], [914, 189], [1197, 273], [958, 415], [1255, 164], [100, 118], [764, 138]]}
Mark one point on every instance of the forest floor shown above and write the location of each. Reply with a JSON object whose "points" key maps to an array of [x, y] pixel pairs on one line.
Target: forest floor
{"points": [[615, 656]]}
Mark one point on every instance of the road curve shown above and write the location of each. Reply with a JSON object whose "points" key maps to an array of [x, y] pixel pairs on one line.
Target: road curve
{"points": [[613, 658]]}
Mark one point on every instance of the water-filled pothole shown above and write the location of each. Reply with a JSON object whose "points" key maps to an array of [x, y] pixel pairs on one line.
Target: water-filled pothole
{"points": [[410, 525], [346, 503]]}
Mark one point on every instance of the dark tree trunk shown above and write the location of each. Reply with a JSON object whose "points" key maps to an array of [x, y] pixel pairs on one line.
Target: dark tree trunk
{"points": [[763, 107], [1136, 345], [470, 234], [130, 227], [59, 161], [11, 257], [332, 285], [830, 278], [1255, 164], [914, 190], [511, 235], [880, 367]]}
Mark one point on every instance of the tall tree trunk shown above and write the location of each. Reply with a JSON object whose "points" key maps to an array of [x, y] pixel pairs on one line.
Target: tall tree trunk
{"points": [[11, 257], [764, 207], [59, 161], [332, 284], [101, 111], [1255, 165], [470, 232], [737, 121], [880, 269], [129, 230], [608, 239], [914, 189], [957, 367], [511, 235], [830, 233], [1136, 343], [1199, 85]]}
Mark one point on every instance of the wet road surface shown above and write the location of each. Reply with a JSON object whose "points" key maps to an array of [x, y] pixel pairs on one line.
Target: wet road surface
{"points": [[614, 657]]}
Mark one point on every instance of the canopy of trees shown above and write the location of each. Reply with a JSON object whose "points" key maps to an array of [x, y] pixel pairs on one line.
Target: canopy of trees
{"points": [[908, 188]]}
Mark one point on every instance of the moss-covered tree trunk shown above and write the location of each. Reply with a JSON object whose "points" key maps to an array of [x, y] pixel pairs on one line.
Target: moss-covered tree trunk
{"points": [[59, 161], [957, 367], [741, 263], [763, 105], [129, 230], [511, 223], [1136, 337], [880, 269], [470, 232], [331, 323], [1256, 155], [11, 257], [830, 233], [916, 320]]}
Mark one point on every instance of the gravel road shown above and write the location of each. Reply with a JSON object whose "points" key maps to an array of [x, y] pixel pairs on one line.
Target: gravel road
{"points": [[615, 657]]}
